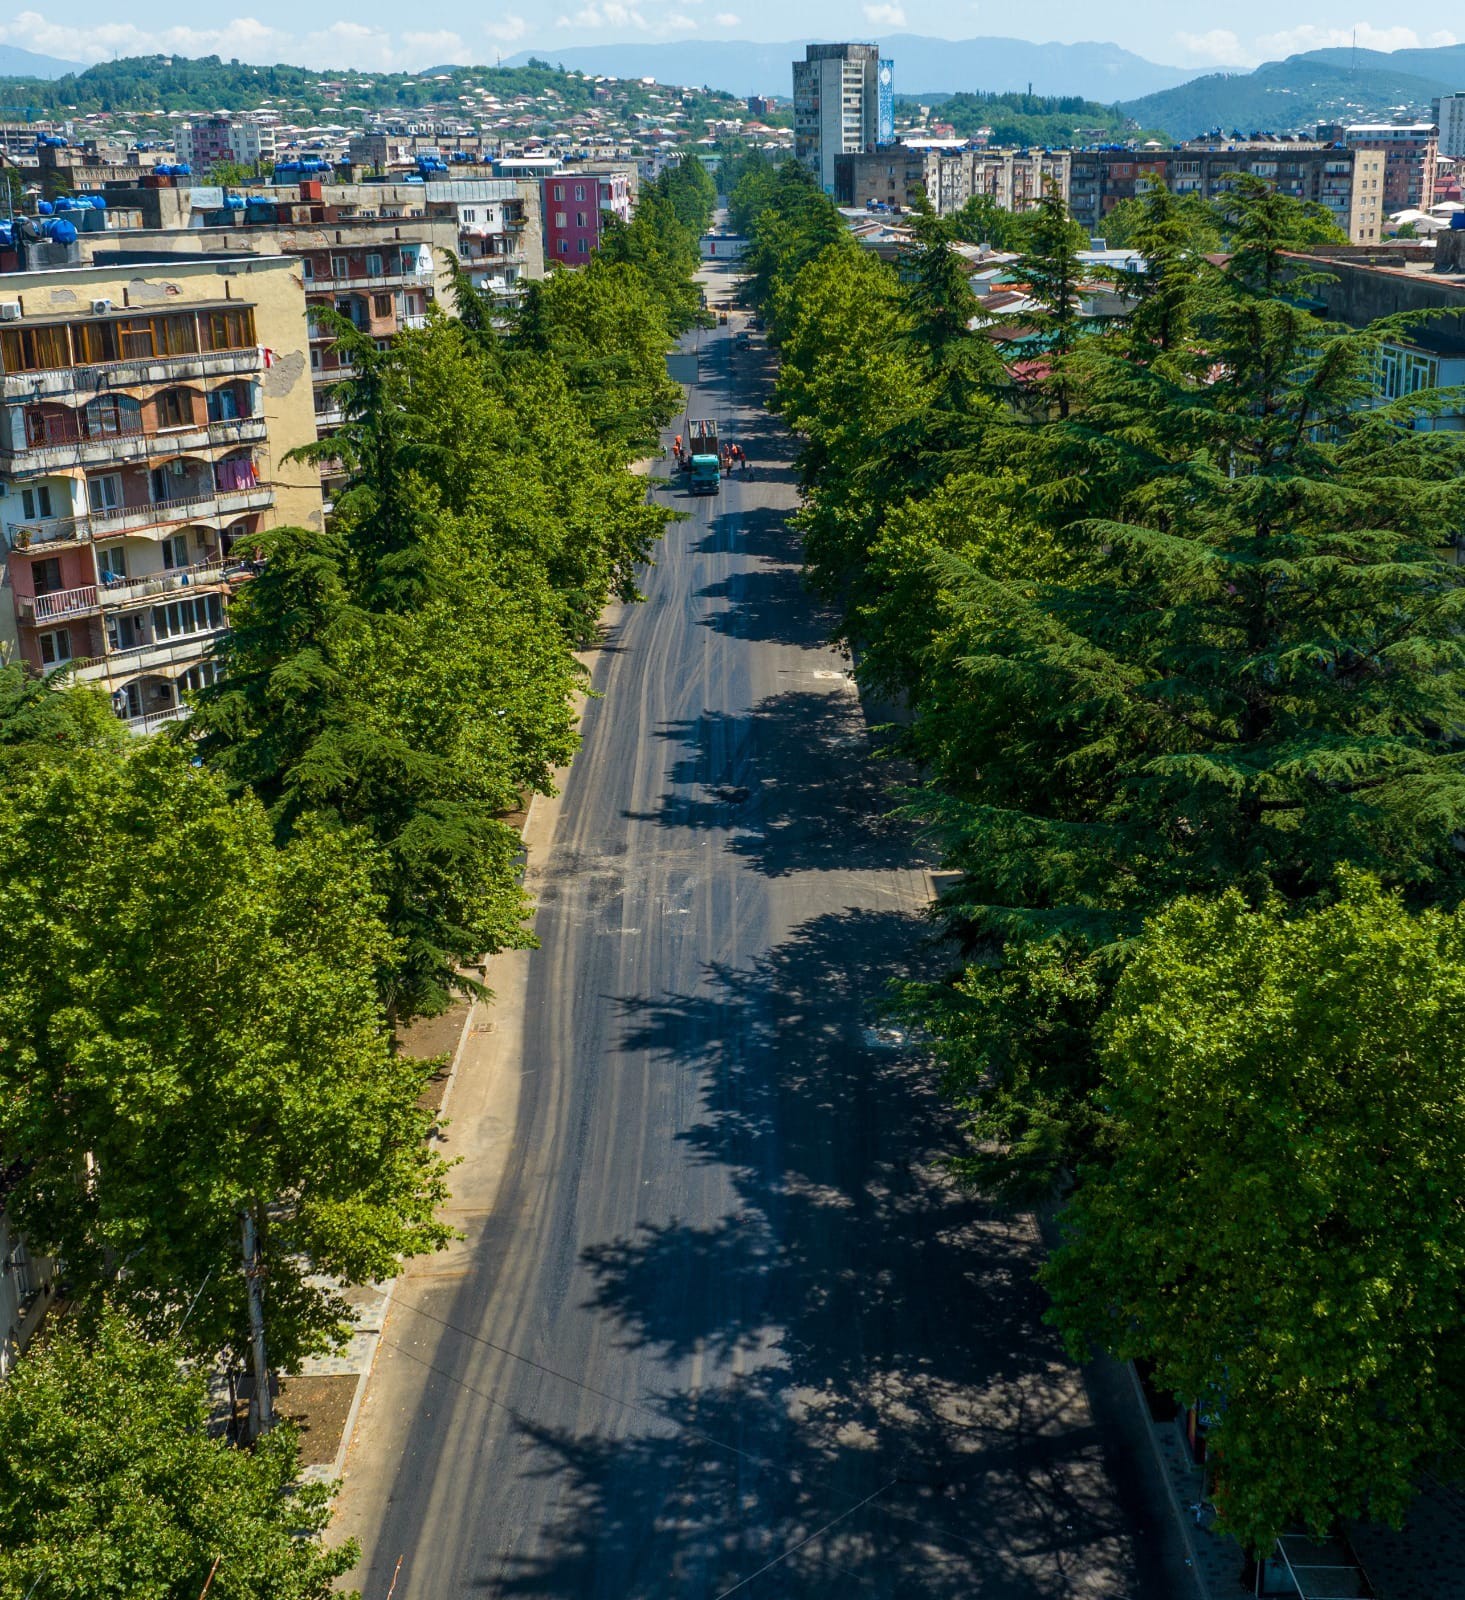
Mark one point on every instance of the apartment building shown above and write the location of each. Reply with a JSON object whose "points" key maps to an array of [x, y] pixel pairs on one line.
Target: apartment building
{"points": [[207, 140], [500, 235], [146, 410], [27, 1287], [896, 174], [1348, 182], [837, 105], [575, 202], [1411, 153], [1449, 116]]}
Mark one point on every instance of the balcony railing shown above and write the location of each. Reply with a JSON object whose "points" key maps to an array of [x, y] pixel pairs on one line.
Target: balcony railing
{"points": [[143, 657], [107, 376], [59, 603], [201, 502], [367, 280], [134, 444], [128, 591], [155, 719]]}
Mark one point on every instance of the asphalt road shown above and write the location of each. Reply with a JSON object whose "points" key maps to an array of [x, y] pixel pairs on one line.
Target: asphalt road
{"points": [[726, 1328]]}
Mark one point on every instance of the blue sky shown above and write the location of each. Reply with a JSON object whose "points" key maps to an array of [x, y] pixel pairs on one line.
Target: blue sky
{"points": [[376, 33]]}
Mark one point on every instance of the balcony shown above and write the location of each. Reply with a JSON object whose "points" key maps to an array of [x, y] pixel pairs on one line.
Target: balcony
{"points": [[146, 657], [108, 523], [152, 720], [130, 444], [46, 608], [117, 592], [112, 375], [367, 280]]}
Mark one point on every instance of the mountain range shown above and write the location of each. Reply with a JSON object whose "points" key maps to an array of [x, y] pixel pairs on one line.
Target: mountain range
{"points": [[1318, 86], [1281, 96], [18, 63], [922, 65]]}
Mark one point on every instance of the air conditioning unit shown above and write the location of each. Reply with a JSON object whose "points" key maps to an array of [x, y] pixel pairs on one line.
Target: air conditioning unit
{"points": [[101, 307], [9, 310]]}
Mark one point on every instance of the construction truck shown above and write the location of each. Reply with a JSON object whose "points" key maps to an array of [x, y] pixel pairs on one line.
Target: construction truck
{"points": [[702, 450]]}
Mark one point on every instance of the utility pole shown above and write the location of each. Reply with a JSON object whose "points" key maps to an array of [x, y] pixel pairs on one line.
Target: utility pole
{"points": [[264, 1410]]}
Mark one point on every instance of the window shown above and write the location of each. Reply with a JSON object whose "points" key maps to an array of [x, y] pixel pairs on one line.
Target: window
{"points": [[381, 305], [315, 360], [112, 564], [137, 338], [46, 575], [55, 647], [104, 493], [581, 219], [178, 336], [230, 330], [307, 268], [340, 267], [199, 614], [175, 409], [564, 247], [175, 551], [559, 191], [36, 502], [34, 349], [374, 266], [199, 677], [561, 219], [584, 247], [579, 191]]}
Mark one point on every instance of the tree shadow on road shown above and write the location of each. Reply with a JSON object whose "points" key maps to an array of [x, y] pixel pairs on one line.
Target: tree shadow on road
{"points": [[791, 784], [875, 1406]]}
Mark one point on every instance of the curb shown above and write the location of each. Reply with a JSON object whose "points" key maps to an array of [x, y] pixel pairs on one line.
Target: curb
{"points": [[337, 1467]]}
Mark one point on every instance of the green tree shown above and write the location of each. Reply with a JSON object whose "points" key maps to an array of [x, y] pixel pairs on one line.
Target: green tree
{"points": [[1243, 672], [112, 1489], [1280, 1226], [189, 1032], [1201, 224]]}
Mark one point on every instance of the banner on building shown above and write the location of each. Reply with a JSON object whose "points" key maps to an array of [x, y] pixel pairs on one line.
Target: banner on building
{"points": [[886, 133]]}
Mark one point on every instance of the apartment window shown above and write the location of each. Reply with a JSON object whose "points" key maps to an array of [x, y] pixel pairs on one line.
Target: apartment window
{"points": [[307, 268], [315, 360], [46, 575], [579, 191], [564, 247], [175, 409], [181, 618], [34, 349], [340, 267], [104, 493], [36, 502], [112, 563], [230, 330], [374, 266], [584, 247], [381, 305], [559, 191], [199, 677], [55, 647], [581, 219], [561, 219], [175, 551]]}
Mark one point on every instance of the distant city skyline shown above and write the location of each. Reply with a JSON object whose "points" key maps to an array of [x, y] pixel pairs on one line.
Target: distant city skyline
{"points": [[372, 36]]}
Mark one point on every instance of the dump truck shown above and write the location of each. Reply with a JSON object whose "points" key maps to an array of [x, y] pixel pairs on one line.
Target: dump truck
{"points": [[706, 462]]}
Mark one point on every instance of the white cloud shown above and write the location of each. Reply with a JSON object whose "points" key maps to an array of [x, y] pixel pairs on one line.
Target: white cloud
{"points": [[1221, 47], [728, 19], [440, 46], [341, 44], [506, 30], [886, 16]]}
